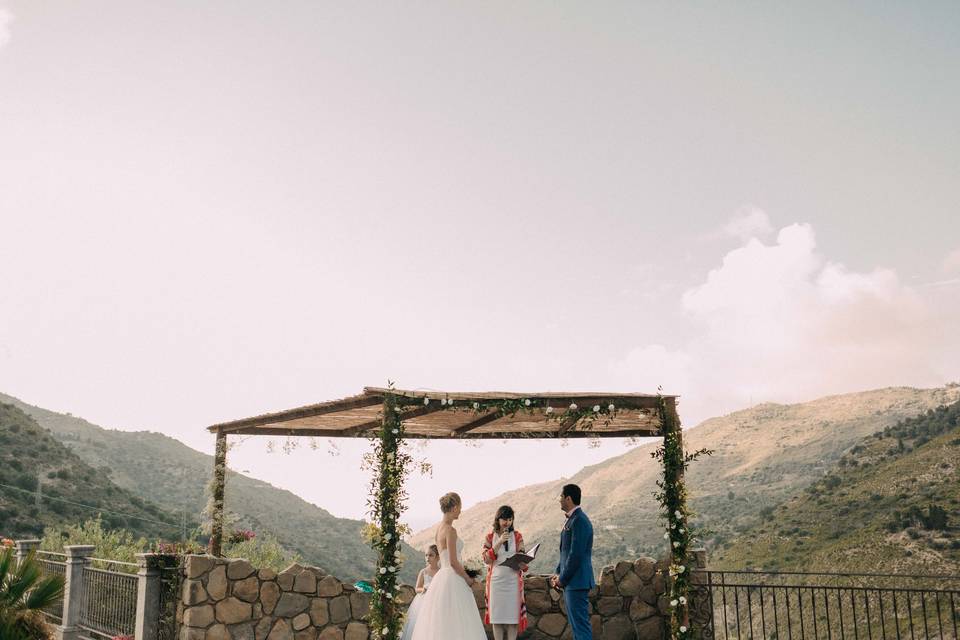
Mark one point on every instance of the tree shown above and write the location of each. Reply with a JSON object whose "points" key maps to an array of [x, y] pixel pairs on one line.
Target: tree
{"points": [[24, 593]]}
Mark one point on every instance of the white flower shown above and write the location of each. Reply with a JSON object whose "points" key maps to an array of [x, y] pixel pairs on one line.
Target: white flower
{"points": [[683, 600], [677, 513], [549, 410], [681, 530], [526, 403], [397, 409], [596, 408], [426, 401], [443, 401], [676, 544], [573, 406], [396, 431], [449, 402], [389, 596], [476, 405], [387, 536], [610, 407], [385, 631], [393, 569], [683, 629], [674, 603], [383, 570], [681, 569], [666, 536]]}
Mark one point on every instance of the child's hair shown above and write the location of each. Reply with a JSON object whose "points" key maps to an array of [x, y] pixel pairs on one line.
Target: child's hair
{"points": [[433, 549], [505, 512], [449, 501]]}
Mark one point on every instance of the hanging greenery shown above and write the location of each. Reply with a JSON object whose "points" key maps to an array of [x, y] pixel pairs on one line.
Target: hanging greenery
{"points": [[672, 496]]}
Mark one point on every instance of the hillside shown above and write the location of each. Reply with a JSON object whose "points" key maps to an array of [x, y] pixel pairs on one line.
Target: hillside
{"points": [[30, 454], [763, 455], [892, 503], [165, 470]]}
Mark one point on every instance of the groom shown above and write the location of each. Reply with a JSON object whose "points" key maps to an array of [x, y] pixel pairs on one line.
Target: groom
{"points": [[575, 570]]}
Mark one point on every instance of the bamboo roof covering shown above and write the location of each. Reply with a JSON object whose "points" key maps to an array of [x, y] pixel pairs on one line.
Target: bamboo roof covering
{"points": [[450, 415]]}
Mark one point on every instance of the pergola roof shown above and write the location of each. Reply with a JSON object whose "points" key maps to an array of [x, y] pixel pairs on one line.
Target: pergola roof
{"points": [[358, 416]]}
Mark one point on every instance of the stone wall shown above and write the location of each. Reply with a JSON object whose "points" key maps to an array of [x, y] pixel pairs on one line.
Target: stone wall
{"points": [[225, 599]]}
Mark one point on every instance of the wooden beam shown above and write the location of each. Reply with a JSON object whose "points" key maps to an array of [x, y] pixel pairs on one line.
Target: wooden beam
{"points": [[476, 423], [309, 411], [219, 482], [406, 415]]}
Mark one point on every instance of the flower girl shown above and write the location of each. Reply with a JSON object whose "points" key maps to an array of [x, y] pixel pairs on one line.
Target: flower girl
{"points": [[432, 559]]}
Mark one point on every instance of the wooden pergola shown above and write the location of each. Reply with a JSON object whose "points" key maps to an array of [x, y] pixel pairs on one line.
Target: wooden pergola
{"points": [[446, 415]]}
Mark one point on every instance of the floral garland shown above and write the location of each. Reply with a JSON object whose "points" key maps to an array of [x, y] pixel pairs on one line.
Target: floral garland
{"points": [[672, 497]]}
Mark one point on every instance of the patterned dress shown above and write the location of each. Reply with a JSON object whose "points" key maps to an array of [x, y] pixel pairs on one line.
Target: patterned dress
{"points": [[505, 603]]}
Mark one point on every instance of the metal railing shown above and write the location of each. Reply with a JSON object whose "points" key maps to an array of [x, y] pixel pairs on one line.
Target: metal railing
{"points": [[109, 604], [798, 605], [53, 564]]}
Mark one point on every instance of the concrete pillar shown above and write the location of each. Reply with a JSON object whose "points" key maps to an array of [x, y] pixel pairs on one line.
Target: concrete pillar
{"points": [[23, 548], [148, 597], [77, 558]]}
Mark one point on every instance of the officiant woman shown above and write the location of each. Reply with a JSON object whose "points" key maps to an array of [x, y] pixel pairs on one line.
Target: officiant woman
{"points": [[506, 610]]}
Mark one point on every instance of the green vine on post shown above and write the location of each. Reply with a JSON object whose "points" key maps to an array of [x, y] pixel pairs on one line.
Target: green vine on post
{"points": [[672, 497]]}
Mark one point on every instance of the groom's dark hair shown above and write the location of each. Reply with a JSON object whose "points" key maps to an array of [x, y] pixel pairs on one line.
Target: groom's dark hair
{"points": [[571, 491]]}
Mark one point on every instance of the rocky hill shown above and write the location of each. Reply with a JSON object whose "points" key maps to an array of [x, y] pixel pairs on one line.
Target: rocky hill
{"points": [[171, 474], [892, 503], [70, 490], [762, 456]]}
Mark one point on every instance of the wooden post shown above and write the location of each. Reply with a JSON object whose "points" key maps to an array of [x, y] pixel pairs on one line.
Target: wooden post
{"points": [[219, 480]]}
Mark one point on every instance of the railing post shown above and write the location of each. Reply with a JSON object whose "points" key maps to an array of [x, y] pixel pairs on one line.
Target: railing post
{"points": [[701, 609], [24, 547], [77, 558], [148, 597]]}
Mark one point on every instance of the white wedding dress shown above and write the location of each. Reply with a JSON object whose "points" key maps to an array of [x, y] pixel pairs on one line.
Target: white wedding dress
{"points": [[449, 610]]}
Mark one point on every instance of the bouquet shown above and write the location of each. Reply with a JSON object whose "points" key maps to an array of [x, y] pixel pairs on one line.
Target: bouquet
{"points": [[474, 568]]}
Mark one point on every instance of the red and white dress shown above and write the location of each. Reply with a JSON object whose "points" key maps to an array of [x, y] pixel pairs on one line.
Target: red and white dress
{"points": [[505, 604]]}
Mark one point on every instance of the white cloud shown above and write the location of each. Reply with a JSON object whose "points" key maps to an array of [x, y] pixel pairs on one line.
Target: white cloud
{"points": [[5, 19], [780, 322], [749, 222]]}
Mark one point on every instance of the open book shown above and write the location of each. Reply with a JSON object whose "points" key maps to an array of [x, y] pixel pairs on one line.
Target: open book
{"points": [[517, 559]]}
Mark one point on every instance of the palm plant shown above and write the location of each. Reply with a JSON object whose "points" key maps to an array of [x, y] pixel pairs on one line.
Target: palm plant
{"points": [[24, 593]]}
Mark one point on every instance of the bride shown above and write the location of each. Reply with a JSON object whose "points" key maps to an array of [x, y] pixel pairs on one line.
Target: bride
{"points": [[449, 609]]}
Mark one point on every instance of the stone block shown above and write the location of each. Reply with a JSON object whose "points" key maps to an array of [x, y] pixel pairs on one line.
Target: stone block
{"points": [[609, 605], [356, 631], [290, 605], [659, 583], [217, 582], [339, 609], [300, 622], [244, 631], [247, 589], [328, 587], [305, 582], [232, 611], [263, 628], [619, 627], [218, 632], [640, 610], [267, 574], [621, 569], [286, 577], [269, 595], [608, 584], [663, 605], [535, 583], [651, 629], [359, 604], [317, 571], [645, 567], [239, 569], [405, 595], [281, 631], [649, 595], [538, 602], [552, 624], [188, 633], [200, 616], [306, 634], [331, 633], [193, 592], [196, 566], [596, 626], [318, 612], [630, 585]]}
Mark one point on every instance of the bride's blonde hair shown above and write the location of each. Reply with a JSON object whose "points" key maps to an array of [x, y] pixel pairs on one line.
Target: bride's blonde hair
{"points": [[449, 501]]}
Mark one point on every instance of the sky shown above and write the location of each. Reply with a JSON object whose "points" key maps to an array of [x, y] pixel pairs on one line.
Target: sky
{"points": [[209, 212]]}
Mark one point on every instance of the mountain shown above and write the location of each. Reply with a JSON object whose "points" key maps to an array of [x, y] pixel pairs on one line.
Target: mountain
{"points": [[892, 501], [166, 471], [71, 490], [762, 456]]}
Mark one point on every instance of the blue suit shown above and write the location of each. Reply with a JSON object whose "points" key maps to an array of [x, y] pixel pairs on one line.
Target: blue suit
{"points": [[576, 572]]}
